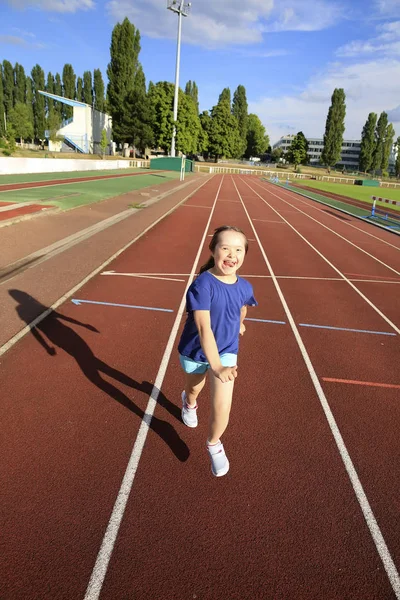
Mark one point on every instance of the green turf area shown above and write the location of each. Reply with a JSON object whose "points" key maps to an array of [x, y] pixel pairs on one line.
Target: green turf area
{"points": [[354, 210], [28, 177], [66, 196], [357, 192]]}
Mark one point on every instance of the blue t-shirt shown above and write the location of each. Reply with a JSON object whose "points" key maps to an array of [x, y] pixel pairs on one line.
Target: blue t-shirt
{"points": [[224, 301]]}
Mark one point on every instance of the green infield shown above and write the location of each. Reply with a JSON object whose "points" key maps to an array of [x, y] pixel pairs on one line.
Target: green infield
{"points": [[67, 196], [28, 177], [357, 192]]}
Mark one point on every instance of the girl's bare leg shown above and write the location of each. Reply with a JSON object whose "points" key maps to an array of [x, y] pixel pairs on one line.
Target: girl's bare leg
{"points": [[194, 383], [221, 402]]}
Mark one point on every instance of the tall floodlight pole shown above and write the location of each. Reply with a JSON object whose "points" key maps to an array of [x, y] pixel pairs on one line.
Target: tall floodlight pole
{"points": [[182, 9]]}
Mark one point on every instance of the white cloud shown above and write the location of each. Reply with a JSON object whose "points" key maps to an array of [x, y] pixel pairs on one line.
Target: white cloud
{"points": [[370, 87], [13, 40], [303, 15], [60, 6], [387, 43], [236, 22], [388, 7]]}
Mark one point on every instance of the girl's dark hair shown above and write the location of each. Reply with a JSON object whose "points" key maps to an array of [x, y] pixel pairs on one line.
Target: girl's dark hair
{"points": [[214, 241]]}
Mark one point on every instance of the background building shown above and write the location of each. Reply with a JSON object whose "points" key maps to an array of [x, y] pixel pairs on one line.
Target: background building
{"points": [[350, 153], [82, 132]]}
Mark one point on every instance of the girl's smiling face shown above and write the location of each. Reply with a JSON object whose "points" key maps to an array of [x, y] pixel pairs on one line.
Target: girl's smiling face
{"points": [[229, 253]]}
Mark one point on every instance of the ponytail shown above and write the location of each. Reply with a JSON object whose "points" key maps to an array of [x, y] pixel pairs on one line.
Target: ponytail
{"points": [[208, 265]]}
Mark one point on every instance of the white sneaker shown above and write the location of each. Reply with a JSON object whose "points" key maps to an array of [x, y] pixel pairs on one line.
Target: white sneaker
{"points": [[189, 415], [219, 460]]}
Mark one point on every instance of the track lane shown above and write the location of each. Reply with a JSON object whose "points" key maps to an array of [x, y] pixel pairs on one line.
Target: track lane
{"points": [[72, 419], [358, 231], [352, 356], [283, 523]]}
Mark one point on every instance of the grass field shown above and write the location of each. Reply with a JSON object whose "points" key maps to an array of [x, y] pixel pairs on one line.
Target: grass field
{"points": [[67, 196], [28, 177], [357, 192]]}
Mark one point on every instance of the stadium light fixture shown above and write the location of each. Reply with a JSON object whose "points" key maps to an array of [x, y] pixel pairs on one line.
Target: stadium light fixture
{"points": [[182, 9]]}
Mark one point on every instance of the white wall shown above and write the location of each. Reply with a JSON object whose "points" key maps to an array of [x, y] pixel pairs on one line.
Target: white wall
{"points": [[10, 166]]}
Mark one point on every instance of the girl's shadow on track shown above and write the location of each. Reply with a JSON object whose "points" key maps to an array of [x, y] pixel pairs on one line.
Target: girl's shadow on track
{"points": [[68, 340]]}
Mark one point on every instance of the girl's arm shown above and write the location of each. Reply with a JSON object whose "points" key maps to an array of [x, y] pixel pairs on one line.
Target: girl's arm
{"points": [[209, 345], [243, 313]]}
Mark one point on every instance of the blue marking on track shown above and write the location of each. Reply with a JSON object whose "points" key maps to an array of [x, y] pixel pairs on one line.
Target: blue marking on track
{"points": [[345, 329], [78, 302]]}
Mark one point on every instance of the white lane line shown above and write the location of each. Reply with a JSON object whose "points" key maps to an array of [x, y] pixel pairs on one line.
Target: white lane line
{"points": [[140, 276], [293, 196], [322, 278], [369, 516], [269, 221], [194, 206], [103, 558], [367, 300], [298, 210], [72, 291]]}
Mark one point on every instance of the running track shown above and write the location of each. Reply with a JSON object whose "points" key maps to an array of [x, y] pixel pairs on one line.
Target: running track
{"points": [[310, 507]]}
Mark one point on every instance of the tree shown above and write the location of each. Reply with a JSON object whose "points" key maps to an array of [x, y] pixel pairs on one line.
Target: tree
{"points": [[192, 90], [224, 136], [87, 88], [334, 129], [204, 136], [161, 113], [19, 119], [257, 138], [225, 96], [136, 127], [188, 127], [98, 86], [39, 116], [11, 135], [367, 143], [305, 142], [8, 86], [297, 152], [2, 113], [58, 92], [79, 89], [380, 133], [121, 71], [397, 163], [276, 154], [387, 147], [29, 99], [53, 125], [20, 84], [69, 89], [240, 110], [103, 141]]}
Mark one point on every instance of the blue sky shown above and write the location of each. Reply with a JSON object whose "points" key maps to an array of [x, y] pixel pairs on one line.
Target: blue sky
{"points": [[289, 54]]}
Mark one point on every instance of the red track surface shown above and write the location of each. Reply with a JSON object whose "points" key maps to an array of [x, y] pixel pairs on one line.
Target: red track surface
{"points": [[285, 522], [21, 210], [6, 187]]}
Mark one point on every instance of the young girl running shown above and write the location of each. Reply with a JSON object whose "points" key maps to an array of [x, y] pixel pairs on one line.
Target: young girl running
{"points": [[216, 304]]}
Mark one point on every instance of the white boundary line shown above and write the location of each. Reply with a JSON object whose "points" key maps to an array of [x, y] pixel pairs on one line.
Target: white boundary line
{"points": [[103, 558], [367, 300], [373, 526], [72, 291]]}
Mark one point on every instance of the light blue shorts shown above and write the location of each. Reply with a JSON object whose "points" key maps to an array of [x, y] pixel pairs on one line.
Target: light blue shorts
{"points": [[195, 367]]}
